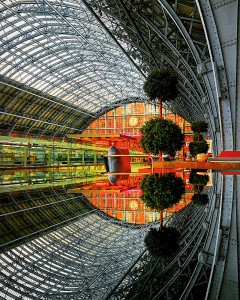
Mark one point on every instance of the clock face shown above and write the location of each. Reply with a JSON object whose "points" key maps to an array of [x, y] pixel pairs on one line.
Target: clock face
{"points": [[133, 204], [133, 121]]}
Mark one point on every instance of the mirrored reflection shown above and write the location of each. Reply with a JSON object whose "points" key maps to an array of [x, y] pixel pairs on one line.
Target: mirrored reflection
{"points": [[14, 179], [35, 162], [34, 205], [123, 200]]}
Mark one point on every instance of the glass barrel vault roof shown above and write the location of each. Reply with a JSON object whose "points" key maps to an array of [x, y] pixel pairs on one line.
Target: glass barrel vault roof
{"points": [[60, 48], [93, 56], [63, 63]]}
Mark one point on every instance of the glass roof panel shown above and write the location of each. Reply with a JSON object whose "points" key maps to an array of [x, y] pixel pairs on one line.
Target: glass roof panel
{"points": [[63, 50]]}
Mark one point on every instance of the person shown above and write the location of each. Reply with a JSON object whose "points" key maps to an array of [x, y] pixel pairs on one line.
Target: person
{"points": [[177, 155], [188, 156]]}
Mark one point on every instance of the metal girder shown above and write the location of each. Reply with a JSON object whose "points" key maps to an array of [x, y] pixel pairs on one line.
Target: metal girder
{"points": [[51, 30], [27, 90], [222, 35], [33, 27], [112, 36], [60, 265], [225, 255], [171, 46], [172, 55], [148, 275], [139, 33], [223, 59], [185, 34]]}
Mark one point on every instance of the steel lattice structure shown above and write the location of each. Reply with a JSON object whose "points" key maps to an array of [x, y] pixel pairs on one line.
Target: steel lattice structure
{"points": [[81, 260], [85, 52], [63, 63]]}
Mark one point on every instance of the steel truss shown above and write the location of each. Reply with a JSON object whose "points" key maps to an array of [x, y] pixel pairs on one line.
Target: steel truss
{"points": [[161, 39], [96, 56], [158, 279], [223, 39], [82, 260], [87, 258], [65, 54], [63, 63]]}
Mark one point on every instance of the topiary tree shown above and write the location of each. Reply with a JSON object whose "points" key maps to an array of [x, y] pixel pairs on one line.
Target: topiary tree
{"points": [[162, 242], [200, 199], [198, 127], [161, 191], [197, 147], [198, 188], [198, 181], [161, 83], [161, 135], [197, 137], [195, 178]]}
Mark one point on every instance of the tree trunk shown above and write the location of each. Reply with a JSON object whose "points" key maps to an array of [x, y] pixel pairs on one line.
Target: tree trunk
{"points": [[160, 116], [160, 107], [198, 187], [161, 219]]}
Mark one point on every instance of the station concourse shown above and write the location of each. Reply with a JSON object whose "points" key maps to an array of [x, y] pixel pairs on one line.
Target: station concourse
{"points": [[65, 64]]}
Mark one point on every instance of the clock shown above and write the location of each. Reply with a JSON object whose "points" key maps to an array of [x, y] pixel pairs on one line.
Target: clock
{"points": [[133, 121], [133, 204]]}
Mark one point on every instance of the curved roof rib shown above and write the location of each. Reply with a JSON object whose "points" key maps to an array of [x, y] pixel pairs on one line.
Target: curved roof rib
{"points": [[63, 63], [63, 52], [94, 54], [155, 33]]}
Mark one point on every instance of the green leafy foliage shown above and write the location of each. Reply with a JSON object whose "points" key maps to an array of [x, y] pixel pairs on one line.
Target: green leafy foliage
{"points": [[200, 199], [161, 135], [161, 191], [199, 126], [199, 182], [197, 147], [197, 137], [198, 188], [162, 242], [161, 83], [195, 178]]}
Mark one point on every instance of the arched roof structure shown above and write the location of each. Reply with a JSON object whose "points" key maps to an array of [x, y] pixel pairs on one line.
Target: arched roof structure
{"points": [[62, 57], [63, 63], [92, 56]]}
